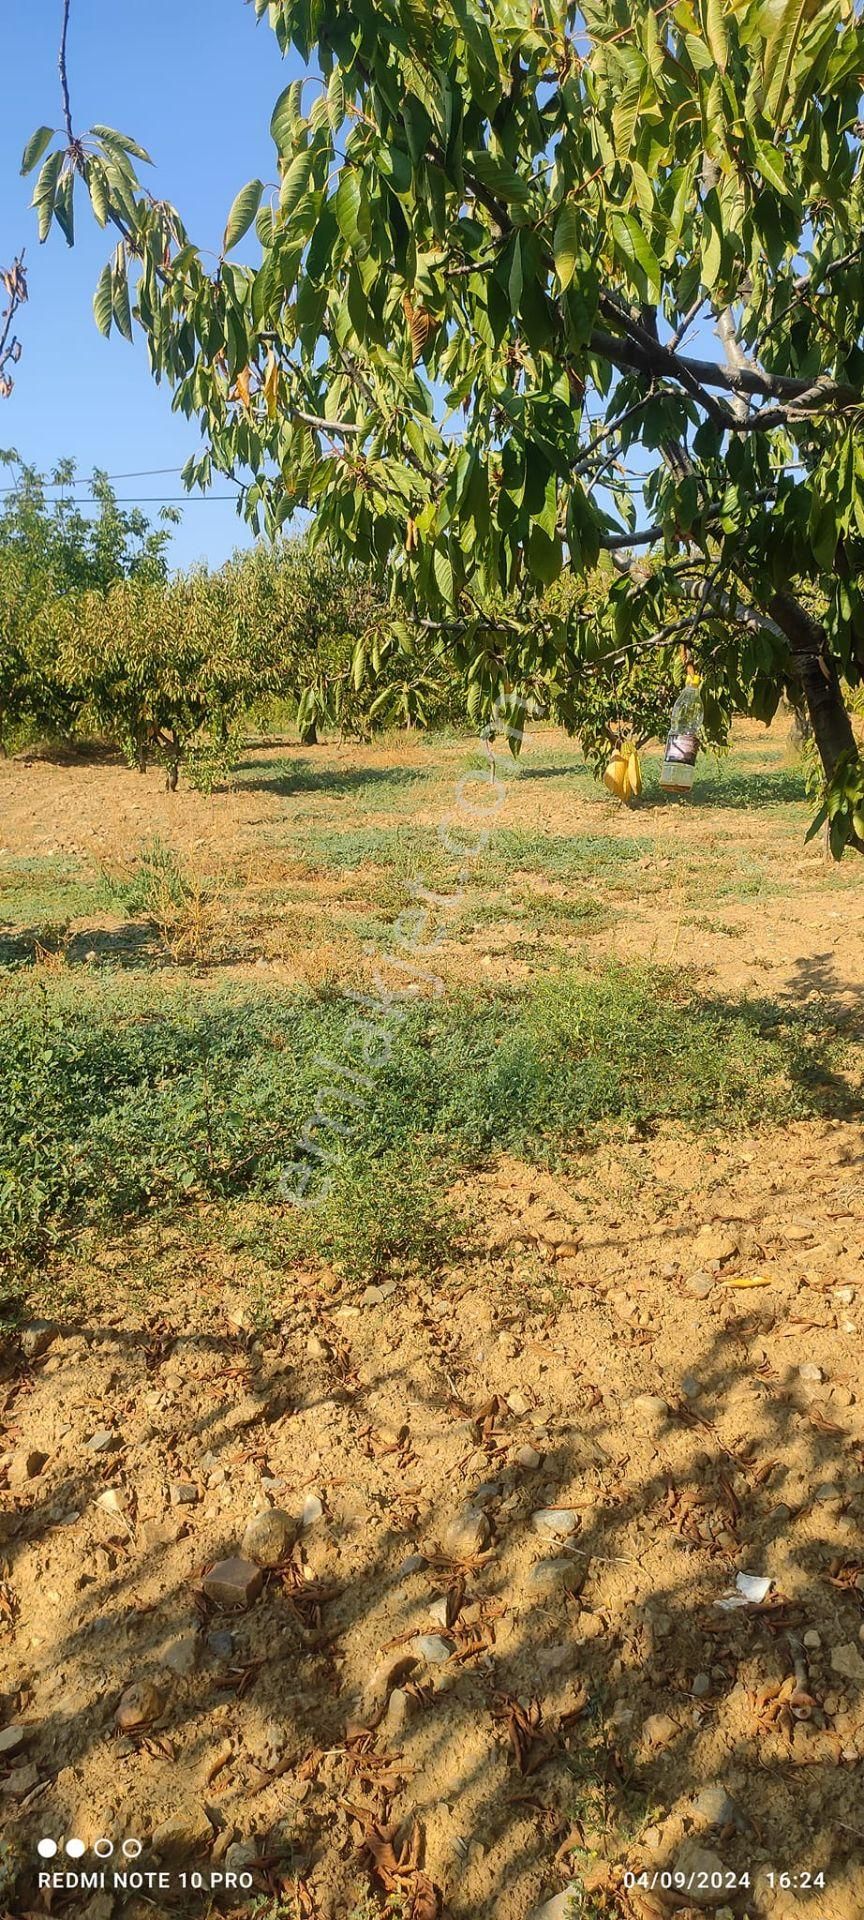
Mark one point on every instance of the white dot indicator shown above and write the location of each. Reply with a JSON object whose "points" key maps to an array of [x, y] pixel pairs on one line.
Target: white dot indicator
{"points": [[47, 1849], [75, 1848]]}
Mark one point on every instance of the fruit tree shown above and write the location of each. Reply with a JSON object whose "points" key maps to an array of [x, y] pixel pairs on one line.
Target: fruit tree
{"points": [[529, 282]]}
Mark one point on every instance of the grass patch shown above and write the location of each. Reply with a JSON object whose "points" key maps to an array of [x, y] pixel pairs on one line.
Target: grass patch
{"points": [[134, 1098], [49, 893]]}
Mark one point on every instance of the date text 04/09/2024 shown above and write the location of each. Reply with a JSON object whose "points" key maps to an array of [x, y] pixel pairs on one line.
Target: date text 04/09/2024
{"points": [[667, 1879]]}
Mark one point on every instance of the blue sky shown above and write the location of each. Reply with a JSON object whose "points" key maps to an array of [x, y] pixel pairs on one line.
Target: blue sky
{"points": [[195, 82]]}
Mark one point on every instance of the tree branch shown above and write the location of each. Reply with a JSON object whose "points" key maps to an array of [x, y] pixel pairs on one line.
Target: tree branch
{"points": [[64, 73], [644, 356]]}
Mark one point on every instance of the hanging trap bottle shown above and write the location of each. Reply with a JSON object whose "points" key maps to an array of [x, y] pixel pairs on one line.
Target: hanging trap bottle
{"points": [[683, 741]]}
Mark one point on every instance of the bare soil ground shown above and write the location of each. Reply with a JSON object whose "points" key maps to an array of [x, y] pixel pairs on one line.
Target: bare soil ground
{"points": [[441, 1698]]}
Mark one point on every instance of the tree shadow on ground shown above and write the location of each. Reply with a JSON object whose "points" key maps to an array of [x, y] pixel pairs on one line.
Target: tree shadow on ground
{"points": [[300, 776], [647, 1693], [134, 944], [748, 792]]}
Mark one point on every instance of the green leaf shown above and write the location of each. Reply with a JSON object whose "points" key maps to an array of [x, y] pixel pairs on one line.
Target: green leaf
{"points": [[97, 187], [443, 570], [544, 555], [498, 177], [285, 117], [64, 207], [103, 300], [45, 192], [336, 99], [712, 240], [120, 301], [566, 243], [242, 213], [770, 164], [49, 174], [625, 114], [295, 183], [346, 205], [637, 250], [816, 824], [111, 137], [715, 32], [780, 50], [35, 148]]}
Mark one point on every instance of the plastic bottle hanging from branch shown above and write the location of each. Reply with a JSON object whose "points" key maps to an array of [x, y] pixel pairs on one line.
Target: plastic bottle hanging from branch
{"points": [[683, 740]]}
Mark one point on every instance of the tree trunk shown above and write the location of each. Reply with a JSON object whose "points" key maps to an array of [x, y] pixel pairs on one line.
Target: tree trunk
{"points": [[820, 681]]}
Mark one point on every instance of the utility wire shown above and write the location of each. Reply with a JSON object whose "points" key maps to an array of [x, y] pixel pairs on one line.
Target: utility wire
{"points": [[141, 499]]}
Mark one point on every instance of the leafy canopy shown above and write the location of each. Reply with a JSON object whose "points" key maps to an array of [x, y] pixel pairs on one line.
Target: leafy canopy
{"points": [[531, 282]]}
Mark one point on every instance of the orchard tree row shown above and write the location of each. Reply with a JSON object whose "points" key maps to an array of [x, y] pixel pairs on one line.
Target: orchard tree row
{"points": [[97, 639], [529, 283]]}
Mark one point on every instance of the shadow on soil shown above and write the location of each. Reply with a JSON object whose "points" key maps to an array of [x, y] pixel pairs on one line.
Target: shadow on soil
{"points": [[299, 776], [529, 1755]]}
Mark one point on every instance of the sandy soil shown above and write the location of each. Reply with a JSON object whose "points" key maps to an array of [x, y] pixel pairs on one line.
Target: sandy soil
{"points": [[436, 1697]]}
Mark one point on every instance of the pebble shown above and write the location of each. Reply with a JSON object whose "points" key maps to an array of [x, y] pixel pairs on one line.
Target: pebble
{"points": [[555, 1523], [714, 1806], [701, 1685], [233, 1583], [810, 1372], [711, 1245], [845, 1295], [700, 1285], [373, 1296], [241, 1855], [812, 1639], [269, 1537], [139, 1705], [181, 1655], [562, 1905], [161, 1533], [414, 1563], [115, 1501], [659, 1730], [36, 1336], [21, 1781], [467, 1534], [690, 1386], [518, 1402], [699, 1867], [386, 1676], [104, 1440], [828, 1492], [846, 1660], [528, 1457], [316, 1348], [651, 1411], [559, 1575], [549, 1659], [487, 1493], [401, 1708], [311, 1511], [432, 1648], [188, 1831], [439, 1611], [221, 1644], [183, 1493], [26, 1465], [589, 1626], [11, 1740]]}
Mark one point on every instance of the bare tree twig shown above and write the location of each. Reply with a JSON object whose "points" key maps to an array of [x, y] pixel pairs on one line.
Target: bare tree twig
{"points": [[64, 73], [15, 283]]}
